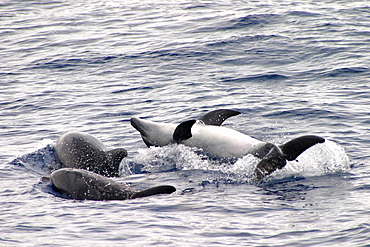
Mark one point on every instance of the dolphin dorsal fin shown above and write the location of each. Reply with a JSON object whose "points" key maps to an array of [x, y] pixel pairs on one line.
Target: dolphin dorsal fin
{"points": [[292, 149], [115, 156], [217, 117], [183, 131]]}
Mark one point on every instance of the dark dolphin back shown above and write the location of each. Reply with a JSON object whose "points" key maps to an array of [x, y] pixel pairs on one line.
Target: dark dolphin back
{"points": [[84, 185]]}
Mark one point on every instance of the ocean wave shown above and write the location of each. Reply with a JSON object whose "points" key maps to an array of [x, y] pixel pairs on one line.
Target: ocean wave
{"points": [[240, 40], [304, 112], [349, 71], [252, 20], [258, 78], [72, 62]]}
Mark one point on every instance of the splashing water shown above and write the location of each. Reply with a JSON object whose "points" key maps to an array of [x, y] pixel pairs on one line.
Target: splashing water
{"points": [[320, 159], [326, 158], [42, 161]]}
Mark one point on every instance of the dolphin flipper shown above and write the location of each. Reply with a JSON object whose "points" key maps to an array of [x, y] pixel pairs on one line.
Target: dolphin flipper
{"points": [[163, 189], [183, 131], [217, 117], [292, 149]]}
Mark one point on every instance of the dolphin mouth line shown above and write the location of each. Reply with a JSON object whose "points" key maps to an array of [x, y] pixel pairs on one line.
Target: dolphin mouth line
{"points": [[144, 135], [137, 127]]}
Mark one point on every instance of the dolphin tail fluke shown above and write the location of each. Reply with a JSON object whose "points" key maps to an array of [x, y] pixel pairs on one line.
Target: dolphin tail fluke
{"points": [[292, 149], [271, 162], [277, 156], [163, 189]]}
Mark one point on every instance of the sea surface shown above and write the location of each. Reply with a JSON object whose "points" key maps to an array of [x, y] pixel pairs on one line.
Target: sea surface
{"points": [[290, 67]]}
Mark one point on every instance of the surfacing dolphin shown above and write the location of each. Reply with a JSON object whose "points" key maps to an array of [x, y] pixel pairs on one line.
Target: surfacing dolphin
{"points": [[85, 185], [208, 135], [81, 150]]}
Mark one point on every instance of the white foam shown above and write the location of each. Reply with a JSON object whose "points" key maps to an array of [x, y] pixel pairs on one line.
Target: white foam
{"points": [[318, 160], [44, 143]]}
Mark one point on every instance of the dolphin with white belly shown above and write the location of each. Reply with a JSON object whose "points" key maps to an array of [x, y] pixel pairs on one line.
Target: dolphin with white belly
{"points": [[85, 185], [81, 150], [208, 135]]}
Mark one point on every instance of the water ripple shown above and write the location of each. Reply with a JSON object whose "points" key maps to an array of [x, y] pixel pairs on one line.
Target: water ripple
{"points": [[291, 68]]}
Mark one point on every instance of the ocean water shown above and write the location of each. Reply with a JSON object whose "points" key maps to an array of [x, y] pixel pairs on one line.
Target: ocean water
{"points": [[290, 67]]}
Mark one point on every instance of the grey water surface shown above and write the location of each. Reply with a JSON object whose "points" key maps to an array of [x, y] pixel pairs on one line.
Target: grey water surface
{"points": [[290, 67]]}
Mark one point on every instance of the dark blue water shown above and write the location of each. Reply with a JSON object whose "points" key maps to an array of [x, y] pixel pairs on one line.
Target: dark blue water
{"points": [[291, 68]]}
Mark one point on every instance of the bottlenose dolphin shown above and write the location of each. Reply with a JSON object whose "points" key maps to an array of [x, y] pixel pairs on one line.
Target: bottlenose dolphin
{"points": [[81, 150], [208, 135], [85, 185]]}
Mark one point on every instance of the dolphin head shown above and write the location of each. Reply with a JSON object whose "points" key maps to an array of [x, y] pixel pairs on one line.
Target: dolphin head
{"points": [[84, 151], [152, 133]]}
